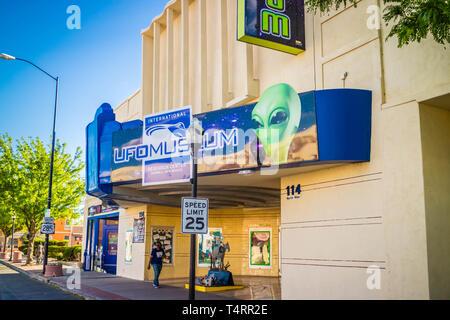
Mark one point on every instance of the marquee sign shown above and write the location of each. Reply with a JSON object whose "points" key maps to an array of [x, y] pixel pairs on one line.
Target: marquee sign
{"points": [[278, 130], [274, 24], [283, 129]]}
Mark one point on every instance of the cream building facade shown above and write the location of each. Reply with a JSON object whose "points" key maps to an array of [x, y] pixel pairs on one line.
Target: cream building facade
{"points": [[353, 222]]}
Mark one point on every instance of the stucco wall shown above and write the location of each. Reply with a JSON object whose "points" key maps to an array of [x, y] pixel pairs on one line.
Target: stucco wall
{"points": [[435, 133], [135, 268]]}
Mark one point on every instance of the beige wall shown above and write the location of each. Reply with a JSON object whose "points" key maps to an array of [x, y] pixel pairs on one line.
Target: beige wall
{"points": [[135, 268], [435, 134], [130, 109]]}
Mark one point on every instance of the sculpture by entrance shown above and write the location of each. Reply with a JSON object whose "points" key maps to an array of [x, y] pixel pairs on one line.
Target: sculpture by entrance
{"points": [[218, 274], [218, 255]]}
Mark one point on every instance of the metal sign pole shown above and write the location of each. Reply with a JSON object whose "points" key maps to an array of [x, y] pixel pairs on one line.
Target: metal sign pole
{"points": [[12, 238], [49, 199], [193, 236]]}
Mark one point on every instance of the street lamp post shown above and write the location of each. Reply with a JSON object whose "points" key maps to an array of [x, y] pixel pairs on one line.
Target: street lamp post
{"points": [[49, 199], [195, 136], [12, 238]]}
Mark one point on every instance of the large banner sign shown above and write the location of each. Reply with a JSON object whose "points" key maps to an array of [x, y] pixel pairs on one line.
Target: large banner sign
{"points": [[165, 151], [278, 130], [274, 24]]}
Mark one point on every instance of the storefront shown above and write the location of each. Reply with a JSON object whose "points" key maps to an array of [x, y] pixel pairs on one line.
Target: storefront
{"points": [[346, 200], [100, 252]]}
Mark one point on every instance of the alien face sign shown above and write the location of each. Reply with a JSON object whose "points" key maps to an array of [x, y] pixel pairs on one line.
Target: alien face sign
{"points": [[276, 118]]}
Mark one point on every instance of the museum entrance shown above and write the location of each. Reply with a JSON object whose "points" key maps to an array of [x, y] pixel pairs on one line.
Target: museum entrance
{"points": [[102, 243]]}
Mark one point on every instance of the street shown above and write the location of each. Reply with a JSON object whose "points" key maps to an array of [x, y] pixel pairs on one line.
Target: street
{"points": [[17, 286]]}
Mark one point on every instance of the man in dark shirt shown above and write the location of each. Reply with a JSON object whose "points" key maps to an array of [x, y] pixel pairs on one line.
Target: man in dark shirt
{"points": [[156, 258]]}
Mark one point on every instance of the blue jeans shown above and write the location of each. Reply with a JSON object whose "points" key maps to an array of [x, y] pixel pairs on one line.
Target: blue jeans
{"points": [[157, 269]]}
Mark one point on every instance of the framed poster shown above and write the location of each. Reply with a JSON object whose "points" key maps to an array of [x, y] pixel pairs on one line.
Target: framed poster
{"points": [[128, 245], [206, 244], [260, 248], [139, 230], [165, 236]]}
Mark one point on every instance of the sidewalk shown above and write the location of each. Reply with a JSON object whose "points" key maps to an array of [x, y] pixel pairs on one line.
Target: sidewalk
{"points": [[102, 286]]}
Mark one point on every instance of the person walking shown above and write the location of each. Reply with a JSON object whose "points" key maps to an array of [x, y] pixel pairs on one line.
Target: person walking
{"points": [[156, 258]]}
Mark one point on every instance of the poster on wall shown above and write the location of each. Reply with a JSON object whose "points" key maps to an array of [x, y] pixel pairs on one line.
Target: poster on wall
{"points": [[128, 245], [280, 129], [164, 235], [260, 248], [206, 244], [139, 230]]}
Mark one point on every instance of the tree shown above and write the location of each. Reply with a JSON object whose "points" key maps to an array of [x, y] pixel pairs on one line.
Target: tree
{"points": [[6, 222], [7, 169], [412, 20], [28, 187]]}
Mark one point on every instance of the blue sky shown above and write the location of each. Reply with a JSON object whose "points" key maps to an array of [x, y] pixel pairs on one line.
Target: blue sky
{"points": [[99, 63]]}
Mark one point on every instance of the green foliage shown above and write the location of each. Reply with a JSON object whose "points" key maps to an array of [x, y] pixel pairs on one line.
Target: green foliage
{"points": [[56, 246], [7, 169], [56, 251], [24, 249], [24, 182], [412, 20], [72, 253]]}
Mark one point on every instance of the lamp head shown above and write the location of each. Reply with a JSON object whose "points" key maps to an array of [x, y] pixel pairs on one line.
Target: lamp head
{"points": [[5, 56]]}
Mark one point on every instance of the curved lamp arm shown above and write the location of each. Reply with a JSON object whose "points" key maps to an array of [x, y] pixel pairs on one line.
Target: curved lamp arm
{"points": [[5, 56]]}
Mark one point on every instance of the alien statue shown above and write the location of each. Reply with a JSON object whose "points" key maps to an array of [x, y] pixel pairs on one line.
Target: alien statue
{"points": [[276, 119]]}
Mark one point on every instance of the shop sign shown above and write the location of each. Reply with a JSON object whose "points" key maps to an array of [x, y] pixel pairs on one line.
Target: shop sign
{"points": [[92, 210], [274, 24], [281, 129], [165, 152], [194, 215]]}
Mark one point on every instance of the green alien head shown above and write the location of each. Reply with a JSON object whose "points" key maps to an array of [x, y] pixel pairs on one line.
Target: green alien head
{"points": [[276, 118]]}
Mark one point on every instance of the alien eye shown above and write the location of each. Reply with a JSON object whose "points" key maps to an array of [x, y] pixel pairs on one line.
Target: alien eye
{"points": [[256, 124], [279, 117]]}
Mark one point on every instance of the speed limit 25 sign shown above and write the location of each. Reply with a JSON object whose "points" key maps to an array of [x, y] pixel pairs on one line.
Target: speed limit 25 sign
{"points": [[194, 215]]}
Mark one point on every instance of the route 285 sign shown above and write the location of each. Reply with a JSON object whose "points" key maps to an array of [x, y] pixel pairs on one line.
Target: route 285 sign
{"points": [[274, 24]]}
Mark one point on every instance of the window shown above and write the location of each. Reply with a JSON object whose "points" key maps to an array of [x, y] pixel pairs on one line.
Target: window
{"points": [[66, 237], [67, 225]]}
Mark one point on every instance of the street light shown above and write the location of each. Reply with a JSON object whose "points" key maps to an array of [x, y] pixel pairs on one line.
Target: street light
{"points": [[194, 137], [5, 56], [12, 237]]}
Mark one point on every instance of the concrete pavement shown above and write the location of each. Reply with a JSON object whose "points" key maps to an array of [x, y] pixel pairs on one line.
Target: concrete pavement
{"points": [[102, 286], [15, 285]]}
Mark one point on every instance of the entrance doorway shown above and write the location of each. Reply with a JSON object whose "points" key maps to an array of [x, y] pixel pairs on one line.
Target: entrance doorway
{"points": [[109, 244], [102, 243]]}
